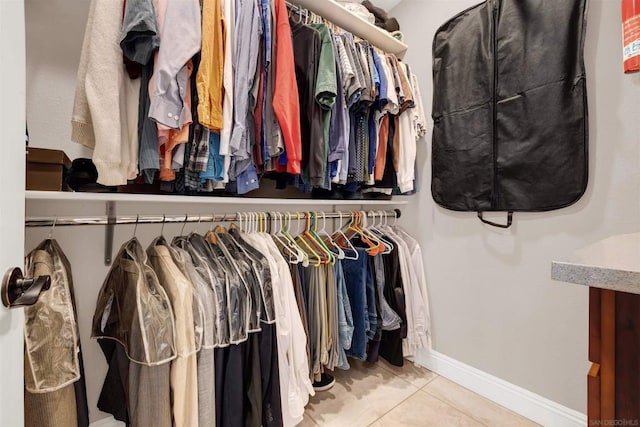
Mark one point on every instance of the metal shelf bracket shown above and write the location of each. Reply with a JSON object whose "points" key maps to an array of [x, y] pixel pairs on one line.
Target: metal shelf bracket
{"points": [[108, 237]]}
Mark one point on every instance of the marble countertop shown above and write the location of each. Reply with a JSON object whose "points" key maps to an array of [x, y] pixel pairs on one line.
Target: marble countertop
{"points": [[612, 263]]}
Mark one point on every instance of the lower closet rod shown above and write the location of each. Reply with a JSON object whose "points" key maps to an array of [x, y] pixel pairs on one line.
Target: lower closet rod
{"points": [[159, 219]]}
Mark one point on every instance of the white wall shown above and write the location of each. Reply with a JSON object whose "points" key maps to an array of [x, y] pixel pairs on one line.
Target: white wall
{"points": [[55, 30], [493, 305]]}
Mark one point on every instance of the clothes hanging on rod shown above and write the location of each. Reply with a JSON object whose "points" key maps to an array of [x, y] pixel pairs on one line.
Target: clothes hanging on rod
{"points": [[55, 389], [237, 324], [220, 97]]}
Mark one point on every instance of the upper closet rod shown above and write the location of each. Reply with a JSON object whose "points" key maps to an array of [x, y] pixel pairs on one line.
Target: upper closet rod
{"points": [[186, 218]]}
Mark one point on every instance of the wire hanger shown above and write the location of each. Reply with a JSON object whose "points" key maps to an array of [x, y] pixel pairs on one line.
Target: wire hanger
{"points": [[184, 224], [199, 220], [135, 227], [164, 219], [53, 226]]}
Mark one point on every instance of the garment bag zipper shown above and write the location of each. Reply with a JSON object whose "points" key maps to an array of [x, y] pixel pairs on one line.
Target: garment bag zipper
{"points": [[494, 39]]}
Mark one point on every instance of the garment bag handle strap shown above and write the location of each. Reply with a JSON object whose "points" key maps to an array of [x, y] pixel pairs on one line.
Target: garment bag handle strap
{"points": [[494, 224]]}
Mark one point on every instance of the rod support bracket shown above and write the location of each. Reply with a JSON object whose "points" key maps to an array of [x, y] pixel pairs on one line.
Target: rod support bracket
{"points": [[109, 231]]}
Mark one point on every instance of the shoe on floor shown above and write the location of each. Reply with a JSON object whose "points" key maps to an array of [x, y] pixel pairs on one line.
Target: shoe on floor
{"points": [[325, 383]]}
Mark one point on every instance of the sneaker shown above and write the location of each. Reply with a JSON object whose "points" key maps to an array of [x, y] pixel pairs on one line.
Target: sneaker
{"points": [[325, 383]]}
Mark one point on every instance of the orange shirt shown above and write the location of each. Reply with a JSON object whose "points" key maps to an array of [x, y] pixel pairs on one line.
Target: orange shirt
{"points": [[209, 77], [286, 105]]}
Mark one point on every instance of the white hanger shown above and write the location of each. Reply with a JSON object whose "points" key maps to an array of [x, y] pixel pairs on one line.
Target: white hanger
{"points": [[322, 231], [374, 229], [349, 244]]}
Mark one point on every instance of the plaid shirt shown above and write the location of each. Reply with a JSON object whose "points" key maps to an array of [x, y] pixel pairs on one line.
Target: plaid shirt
{"points": [[198, 158]]}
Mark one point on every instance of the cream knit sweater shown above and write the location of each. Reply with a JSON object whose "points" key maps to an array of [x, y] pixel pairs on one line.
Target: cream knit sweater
{"points": [[105, 108]]}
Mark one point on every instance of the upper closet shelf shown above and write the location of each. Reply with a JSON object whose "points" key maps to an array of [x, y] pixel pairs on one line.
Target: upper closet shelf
{"points": [[335, 13], [201, 200]]}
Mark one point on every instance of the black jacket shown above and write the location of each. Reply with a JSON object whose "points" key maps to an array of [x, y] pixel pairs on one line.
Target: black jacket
{"points": [[510, 107]]}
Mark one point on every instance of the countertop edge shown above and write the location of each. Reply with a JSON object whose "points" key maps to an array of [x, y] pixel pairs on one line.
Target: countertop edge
{"points": [[598, 277]]}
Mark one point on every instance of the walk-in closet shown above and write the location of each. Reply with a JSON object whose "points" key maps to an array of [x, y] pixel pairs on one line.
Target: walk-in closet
{"points": [[274, 213]]}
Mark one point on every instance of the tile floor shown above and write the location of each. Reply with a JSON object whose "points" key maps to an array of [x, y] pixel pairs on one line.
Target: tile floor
{"points": [[382, 395]]}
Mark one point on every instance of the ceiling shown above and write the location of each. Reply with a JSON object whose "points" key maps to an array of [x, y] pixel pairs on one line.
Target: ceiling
{"points": [[386, 4]]}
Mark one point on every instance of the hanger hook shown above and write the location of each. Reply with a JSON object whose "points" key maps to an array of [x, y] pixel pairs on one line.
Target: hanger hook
{"points": [[184, 224], [198, 224], [256, 219], [135, 227], [53, 226], [164, 219]]}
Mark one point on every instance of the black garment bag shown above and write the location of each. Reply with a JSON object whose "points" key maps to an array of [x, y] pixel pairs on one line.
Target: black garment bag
{"points": [[510, 107]]}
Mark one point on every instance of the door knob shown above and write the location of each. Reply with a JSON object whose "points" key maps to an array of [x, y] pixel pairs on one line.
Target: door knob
{"points": [[19, 292]]}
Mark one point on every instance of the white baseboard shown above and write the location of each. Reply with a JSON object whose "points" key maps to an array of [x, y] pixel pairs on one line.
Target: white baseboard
{"points": [[530, 405], [107, 422]]}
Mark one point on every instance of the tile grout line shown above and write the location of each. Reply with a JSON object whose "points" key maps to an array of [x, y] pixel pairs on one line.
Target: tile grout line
{"points": [[388, 369], [394, 407], [396, 375], [435, 377], [308, 414], [454, 407], [487, 401]]}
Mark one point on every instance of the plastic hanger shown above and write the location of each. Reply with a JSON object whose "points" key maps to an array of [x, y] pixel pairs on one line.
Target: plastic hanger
{"points": [[302, 241], [303, 257], [354, 228], [314, 232], [292, 254], [371, 235], [291, 10], [314, 241], [339, 236], [317, 240], [375, 231], [328, 239]]}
